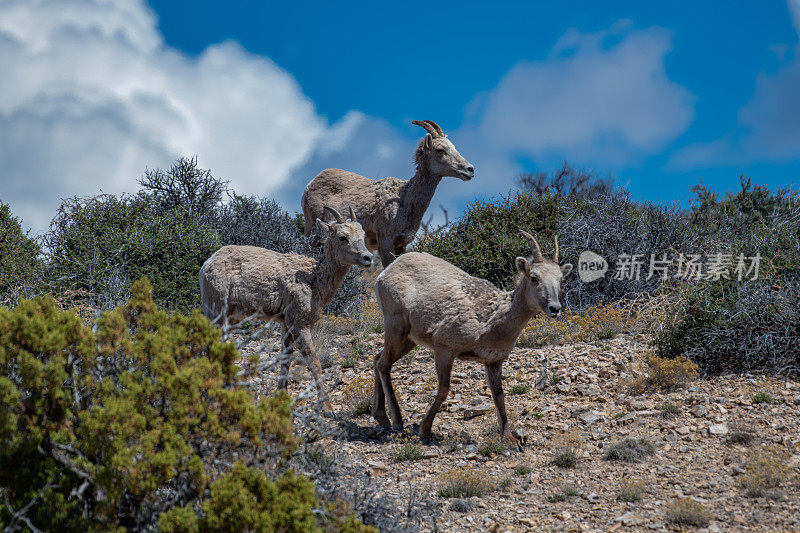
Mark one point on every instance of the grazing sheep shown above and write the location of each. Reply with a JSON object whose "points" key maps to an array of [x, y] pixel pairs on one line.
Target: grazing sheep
{"points": [[390, 210], [238, 282], [427, 301]]}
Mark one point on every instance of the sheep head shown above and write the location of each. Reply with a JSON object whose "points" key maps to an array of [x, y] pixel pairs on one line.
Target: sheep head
{"points": [[439, 155], [540, 278], [346, 237]]}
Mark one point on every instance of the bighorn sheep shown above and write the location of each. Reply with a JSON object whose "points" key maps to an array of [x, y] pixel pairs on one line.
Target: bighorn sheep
{"points": [[246, 281], [390, 209], [428, 301]]}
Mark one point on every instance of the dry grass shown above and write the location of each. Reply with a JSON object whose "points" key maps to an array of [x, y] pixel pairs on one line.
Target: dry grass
{"points": [[741, 433], [631, 491], [765, 469], [408, 452], [357, 395], [492, 447], [522, 470], [565, 450], [566, 492], [463, 482], [669, 410], [630, 450], [323, 340], [664, 374], [599, 322], [688, 512]]}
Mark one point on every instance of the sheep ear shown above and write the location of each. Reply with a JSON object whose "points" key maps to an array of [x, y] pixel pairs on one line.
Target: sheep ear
{"points": [[566, 268], [324, 226], [523, 265], [428, 140]]}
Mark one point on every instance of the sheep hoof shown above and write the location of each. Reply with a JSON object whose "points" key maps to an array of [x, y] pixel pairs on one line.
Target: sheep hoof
{"points": [[513, 441], [425, 440], [398, 429]]}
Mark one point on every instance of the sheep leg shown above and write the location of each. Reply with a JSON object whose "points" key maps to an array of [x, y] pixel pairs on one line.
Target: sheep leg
{"points": [[444, 366], [395, 346], [305, 345], [378, 397], [287, 343], [494, 377]]}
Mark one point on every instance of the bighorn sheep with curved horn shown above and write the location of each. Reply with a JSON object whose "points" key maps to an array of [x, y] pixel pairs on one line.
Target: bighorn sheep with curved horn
{"points": [[390, 209], [240, 282], [429, 302]]}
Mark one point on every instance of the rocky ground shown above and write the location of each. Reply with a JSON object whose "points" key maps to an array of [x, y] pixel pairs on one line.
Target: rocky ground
{"points": [[699, 434]]}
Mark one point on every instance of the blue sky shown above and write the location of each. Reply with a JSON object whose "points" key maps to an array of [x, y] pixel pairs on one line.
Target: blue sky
{"points": [[660, 95]]}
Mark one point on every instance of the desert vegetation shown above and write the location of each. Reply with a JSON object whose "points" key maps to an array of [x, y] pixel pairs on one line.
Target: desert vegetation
{"points": [[652, 403]]}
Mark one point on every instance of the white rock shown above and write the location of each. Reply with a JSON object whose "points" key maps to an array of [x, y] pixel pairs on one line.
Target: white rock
{"points": [[718, 429]]}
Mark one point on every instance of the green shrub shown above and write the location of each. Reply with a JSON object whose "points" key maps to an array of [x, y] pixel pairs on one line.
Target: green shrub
{"points": [[486, 239], [98, 246], [762, 397], [736, 327], [732, 326], [19, 256], [246, 500], [103, 428], [491, 448]]}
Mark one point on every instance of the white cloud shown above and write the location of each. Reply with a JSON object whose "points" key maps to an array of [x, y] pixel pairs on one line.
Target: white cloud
{"points": [[794, 8], [598, 98], [90, 95], [767, 127]]}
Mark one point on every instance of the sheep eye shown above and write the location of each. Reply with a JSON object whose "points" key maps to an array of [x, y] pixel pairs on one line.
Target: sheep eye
{"points": [[440, 151], [343, 238]]}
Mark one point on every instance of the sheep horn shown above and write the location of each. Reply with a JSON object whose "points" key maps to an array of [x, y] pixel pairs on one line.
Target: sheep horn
{"points": [[438, 128], [555, 254], [335, 214], [430, 126], [537, 252], [353, 215]]}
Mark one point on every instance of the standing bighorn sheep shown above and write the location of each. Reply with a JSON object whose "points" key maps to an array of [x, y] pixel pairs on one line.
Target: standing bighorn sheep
{"points": [[390, 209], [427, 301], [238, 282]]}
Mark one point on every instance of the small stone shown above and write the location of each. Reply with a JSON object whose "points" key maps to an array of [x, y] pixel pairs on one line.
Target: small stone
{"points": [[699, 410], [683, 430], [474, 411], [589, 390], [640, 405], [718, 429], [629, 519], [590, 417], [628, 417], [564, 515], [562, 387], [543, 380]]}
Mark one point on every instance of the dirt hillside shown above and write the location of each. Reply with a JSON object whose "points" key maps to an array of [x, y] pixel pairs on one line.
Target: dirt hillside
{"points": [[702, 454]]}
